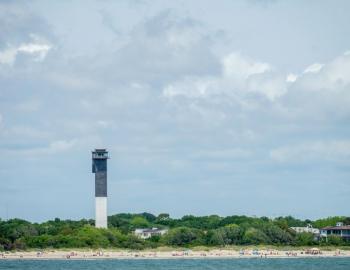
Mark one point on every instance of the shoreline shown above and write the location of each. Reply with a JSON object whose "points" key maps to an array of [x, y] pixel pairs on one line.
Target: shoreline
{"points": [[175, 254]]}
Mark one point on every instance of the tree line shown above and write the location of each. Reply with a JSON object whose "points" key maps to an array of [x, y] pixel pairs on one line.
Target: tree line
{"points": [[188, 231]]}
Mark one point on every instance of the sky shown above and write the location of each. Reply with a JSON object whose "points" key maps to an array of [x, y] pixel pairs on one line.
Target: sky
{"points": [[206, 107]]}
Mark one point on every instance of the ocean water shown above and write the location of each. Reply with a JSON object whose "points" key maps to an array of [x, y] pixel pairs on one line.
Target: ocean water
{"points": [[182, 264]]}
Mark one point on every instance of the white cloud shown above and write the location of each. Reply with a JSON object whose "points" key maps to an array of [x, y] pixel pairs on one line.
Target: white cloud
{"points": [[8, 56], [239, 67], [60, 146], [183, 38], [314, 68], [37, 49], [329, 77], [192, 88], [271, 86], [291, 77], [337, 72], [240, 77]]}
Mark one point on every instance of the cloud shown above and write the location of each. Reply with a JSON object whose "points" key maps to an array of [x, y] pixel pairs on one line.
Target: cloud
{"points": [[321, 96], [25, 132], [38, 50], [291, 77], [225, 154], [263, 3], [60, 146], [107, 20], [191, 88], [238, 67], [313, 151], [71, 79], [337, 71], [332, 76], [24, 35], [18, 24], [8, 56], [314, 68], [161, 48], [241, 77], [176, 99], [272, 86], [31, 105], [54, 147]]}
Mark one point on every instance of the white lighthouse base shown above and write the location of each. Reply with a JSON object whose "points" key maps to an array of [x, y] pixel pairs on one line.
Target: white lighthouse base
{"points": [[101, 212]]}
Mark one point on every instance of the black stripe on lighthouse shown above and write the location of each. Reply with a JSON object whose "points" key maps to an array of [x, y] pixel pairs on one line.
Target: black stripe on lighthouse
{"points": [[101, 184]]}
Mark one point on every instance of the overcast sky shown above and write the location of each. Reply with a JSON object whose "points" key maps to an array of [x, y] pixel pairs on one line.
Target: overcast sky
{"points": [[206, 107]]}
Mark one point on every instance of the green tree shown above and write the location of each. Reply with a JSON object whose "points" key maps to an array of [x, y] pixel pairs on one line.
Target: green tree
{"points": [[120, 222], [346, 221], [330, 221], [305, 239], [148, 216], [228, 235], [183, 236], [115, 237], [17, 228], [163, 216], [275, 234], [91, 237], [290, 221], [255, 237], [133, 242], [139, 222], [335, 240]]}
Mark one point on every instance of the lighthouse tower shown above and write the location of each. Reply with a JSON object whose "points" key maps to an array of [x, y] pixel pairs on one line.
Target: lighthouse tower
{"points": [[99, 167]]}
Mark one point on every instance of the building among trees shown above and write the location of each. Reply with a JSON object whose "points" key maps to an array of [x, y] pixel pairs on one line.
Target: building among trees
{"points": [[339, 230], [308, 229], [149, 232]]}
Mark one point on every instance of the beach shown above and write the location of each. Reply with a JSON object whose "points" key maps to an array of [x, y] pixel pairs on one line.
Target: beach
{"points": [[174, 254]]}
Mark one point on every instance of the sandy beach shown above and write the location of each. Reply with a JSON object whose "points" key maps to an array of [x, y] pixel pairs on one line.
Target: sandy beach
{"points": [[215, 253]]}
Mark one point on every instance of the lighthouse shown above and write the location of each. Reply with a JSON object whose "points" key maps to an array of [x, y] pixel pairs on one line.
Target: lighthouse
{"points": [[99, 168]]}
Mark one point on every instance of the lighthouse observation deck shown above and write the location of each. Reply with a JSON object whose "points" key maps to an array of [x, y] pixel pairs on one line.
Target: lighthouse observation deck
{"points": [[100, 154]]}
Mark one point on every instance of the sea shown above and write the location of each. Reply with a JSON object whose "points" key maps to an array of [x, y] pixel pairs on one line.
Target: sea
{"points": [[182, 264]]}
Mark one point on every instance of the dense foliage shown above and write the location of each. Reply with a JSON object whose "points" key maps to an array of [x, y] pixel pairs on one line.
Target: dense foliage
{"points": [[187, 231]]}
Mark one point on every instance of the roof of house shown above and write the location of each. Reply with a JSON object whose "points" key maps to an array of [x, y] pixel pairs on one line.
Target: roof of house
{"points": [[309, 228], [346, 227]]}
